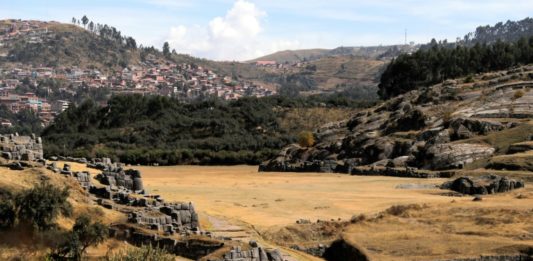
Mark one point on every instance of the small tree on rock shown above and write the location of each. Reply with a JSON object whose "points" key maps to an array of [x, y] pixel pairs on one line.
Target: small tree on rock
{"points": [[306, 139]]}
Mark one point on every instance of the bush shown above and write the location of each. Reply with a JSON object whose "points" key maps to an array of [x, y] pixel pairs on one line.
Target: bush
{"points": [[402, 210], [83, 234], [145, 253], [357, 218], [7, 214], [306, 139], [518, 94], [41, 205]]}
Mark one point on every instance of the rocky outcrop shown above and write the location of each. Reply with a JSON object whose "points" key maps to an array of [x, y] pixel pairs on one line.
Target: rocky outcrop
{"points": [[454, 155], [482, 185], [436, 128], [464, 128], [15, 147], [520, 147]]}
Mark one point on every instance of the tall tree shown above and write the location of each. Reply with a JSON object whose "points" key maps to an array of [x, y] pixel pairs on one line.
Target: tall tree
{"points": [[84, 20], [166, 49], [91, 26], [74, 20]]}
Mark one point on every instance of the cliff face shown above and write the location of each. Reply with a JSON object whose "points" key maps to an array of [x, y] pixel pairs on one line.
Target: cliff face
{"points": [[445, 126]]}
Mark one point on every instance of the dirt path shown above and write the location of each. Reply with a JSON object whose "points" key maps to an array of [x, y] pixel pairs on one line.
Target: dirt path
{"points": [[237, 230]]}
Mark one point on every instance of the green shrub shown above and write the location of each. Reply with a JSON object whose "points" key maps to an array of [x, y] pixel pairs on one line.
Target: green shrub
{"points": [[518, 94], [41, 205], [306, 139], [7, 214], [83, 235], [145, 253]]}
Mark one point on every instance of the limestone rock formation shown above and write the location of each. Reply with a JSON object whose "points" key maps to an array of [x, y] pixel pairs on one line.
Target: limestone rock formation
{"points": [[454, 155], [436, 128]]}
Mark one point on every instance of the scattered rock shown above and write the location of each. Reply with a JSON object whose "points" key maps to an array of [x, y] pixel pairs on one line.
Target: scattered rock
{"points": [[15, 166], [482, 185]]}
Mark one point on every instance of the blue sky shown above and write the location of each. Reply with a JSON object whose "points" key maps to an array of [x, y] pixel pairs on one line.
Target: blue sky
{"points": [[245, 29]]}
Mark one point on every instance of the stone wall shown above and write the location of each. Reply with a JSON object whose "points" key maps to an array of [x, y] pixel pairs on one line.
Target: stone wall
{"points": [[193, 248], [127, 179], [15, 147]]}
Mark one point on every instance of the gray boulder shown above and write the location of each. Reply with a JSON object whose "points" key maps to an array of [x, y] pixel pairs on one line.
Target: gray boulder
{"points": [[482, 185]]}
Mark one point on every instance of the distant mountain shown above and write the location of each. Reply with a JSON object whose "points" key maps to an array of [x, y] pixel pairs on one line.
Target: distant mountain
{"points": [[293, 56], [37, 44], [56, 44], [371, 52]]}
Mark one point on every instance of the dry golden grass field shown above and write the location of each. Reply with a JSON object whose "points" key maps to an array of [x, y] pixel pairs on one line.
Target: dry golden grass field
{"points": [[438, 227], [268, 199], [239, 202]]}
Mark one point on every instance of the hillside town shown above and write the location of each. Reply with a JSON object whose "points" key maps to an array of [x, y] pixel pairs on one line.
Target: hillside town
{"points": [[153, 76]]}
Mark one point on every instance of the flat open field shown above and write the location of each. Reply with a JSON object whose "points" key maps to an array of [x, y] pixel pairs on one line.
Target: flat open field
{"points": [[268, 199], [238, 202]]}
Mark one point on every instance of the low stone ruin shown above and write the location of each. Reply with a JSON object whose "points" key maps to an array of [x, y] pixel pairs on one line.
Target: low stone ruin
{"points": [[123, 190], [128, 179], [169, 218], [316, 250], [83, 177], [255, 253], [483, 185], [192, 248], [102, 164], [15, 147], [197, 248]]}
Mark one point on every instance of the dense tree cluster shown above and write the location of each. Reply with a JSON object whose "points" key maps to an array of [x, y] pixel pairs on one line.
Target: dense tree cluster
{"points": [[24, 122], [510, 31], [155, 129], [440, 62], [107, 32]]}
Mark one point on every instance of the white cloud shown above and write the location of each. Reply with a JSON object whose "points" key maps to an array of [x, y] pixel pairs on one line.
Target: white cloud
{"points": [[235, 36]]}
